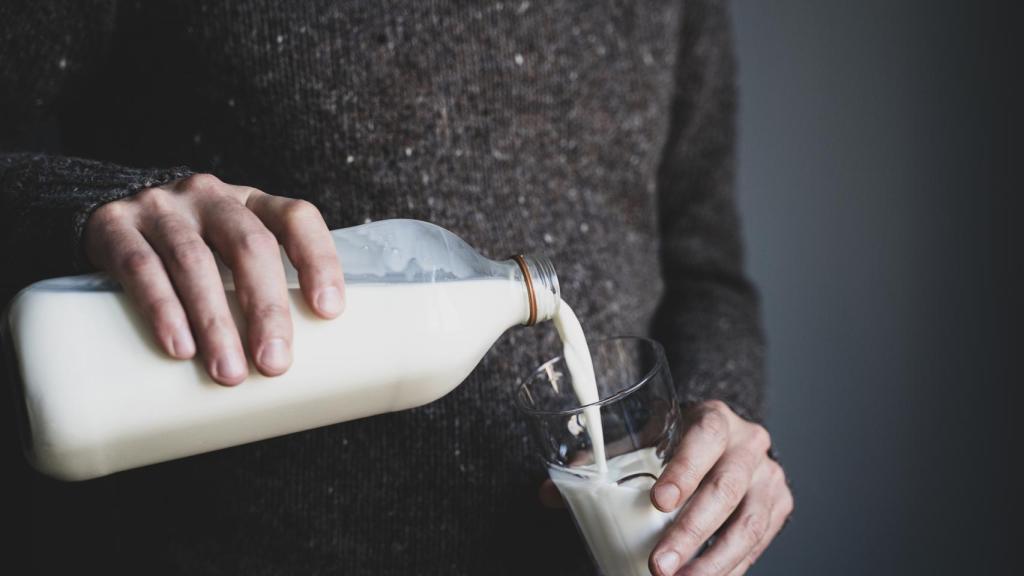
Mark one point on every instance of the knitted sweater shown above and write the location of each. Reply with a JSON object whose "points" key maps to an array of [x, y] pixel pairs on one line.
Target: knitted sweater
{"points": [[600, 134]]}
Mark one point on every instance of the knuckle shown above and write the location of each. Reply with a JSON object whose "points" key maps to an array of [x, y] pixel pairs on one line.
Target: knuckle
{"points": [[190, 254], [257, 242], [111, 211], [685, 473], [692, 533], [201, 183], [728, 487], [298, 213], [747, 460], [717, 405], [136, 262], [780, 474], [154, 198], [761, 438], [714, 426], [218, 325], [787, 504], [755, 526], [710, 567], [265, 310], [249, 191]]}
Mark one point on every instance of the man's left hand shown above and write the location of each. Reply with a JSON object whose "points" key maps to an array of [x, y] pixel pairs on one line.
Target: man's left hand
{"points": [[728, 486]]}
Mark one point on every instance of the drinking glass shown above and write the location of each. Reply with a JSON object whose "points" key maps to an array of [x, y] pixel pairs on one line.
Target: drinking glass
{"points": [[641, 423]]}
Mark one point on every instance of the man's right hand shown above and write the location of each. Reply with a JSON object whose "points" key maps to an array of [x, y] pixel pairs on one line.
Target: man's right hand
{"points": [[159, 245]]}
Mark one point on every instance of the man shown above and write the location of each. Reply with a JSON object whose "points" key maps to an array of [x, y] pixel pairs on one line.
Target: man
{"points": [[600, 135]]}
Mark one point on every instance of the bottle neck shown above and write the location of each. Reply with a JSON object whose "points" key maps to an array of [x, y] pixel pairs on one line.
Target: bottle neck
{"points": [[541, 283]]}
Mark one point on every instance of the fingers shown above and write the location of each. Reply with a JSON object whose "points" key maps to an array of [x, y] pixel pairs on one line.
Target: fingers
{"points": [[782, 508], [196, 279], [744, 532], [702, 444], [154, 243], [721, 471], [123, 252], [253, 255], [715, 500], [308, 243]]}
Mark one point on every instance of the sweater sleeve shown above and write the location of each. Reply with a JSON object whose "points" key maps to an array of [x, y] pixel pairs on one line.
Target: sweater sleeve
{"points": [[48, 49], [709, 318]]}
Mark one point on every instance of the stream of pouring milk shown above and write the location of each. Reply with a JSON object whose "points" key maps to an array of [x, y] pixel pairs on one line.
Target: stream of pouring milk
{"points": [[616, 517], [584, 383]]}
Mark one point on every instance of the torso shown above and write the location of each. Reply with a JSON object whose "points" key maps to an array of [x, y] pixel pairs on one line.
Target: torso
{"points": [[535, 127]]}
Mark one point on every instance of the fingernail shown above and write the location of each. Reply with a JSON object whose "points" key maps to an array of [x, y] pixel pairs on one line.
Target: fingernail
{"points": [[274, 355], [667, 496], [182, 344], [229, 367], [329, 301], [668, 562]]}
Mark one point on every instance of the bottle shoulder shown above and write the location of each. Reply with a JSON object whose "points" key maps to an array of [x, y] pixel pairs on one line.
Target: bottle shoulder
{"points": [[403, 251]]}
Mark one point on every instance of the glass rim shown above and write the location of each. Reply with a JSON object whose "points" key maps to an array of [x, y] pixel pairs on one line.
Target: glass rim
{"points": [[659, 365]]}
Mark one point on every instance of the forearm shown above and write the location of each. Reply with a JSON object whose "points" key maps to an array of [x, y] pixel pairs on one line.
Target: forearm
{"points": [[709, 317], [44, 203]]}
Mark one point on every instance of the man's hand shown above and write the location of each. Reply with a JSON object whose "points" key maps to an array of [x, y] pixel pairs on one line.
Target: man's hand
{"points": [[159, 245], [722, 476]]}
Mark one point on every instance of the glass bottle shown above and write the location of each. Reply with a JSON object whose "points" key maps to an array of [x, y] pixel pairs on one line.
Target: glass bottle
{"points": [[422, 309]]}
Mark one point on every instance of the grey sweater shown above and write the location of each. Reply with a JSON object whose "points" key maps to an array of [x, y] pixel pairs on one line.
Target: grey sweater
{"points": [[600, 134]]}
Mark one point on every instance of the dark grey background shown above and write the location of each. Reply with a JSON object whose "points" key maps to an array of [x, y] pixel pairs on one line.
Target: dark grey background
{"points": [[872, 178]]}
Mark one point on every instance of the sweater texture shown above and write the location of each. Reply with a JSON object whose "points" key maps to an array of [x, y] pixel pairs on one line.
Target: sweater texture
{"points": [[600, 134]]}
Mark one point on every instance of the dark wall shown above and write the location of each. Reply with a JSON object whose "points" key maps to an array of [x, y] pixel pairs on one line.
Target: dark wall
{"points": [[873, 174]]}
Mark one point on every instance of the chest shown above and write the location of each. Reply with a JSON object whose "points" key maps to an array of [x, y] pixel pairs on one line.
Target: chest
{"points": [[522, 126], [568, 91]]}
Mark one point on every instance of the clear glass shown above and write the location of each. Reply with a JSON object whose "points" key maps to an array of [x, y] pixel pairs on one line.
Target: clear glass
{"points": [[641, 420]]}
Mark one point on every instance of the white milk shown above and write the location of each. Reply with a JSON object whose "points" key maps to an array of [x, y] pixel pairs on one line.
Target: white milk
{"points": [[101, 397], [618, 521], [581, 366]]}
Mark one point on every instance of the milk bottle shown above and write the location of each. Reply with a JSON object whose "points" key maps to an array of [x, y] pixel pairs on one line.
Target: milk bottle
{"points": [[98, 396]]}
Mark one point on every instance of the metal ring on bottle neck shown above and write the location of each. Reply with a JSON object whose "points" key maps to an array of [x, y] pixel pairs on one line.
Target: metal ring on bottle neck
{"points": [[529, 288]]}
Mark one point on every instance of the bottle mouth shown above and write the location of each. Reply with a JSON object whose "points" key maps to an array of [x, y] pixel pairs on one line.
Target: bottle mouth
{"points": [[542, 282]]}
